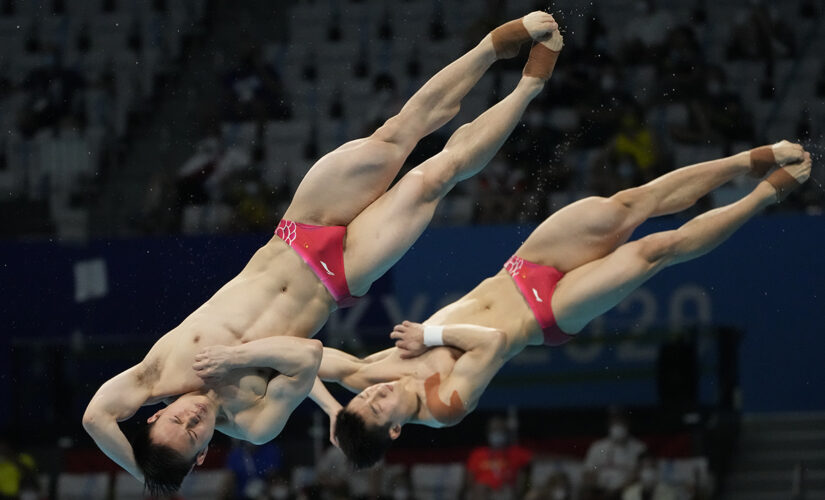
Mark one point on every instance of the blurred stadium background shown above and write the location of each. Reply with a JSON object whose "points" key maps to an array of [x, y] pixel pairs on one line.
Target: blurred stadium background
{"points": [[150, 146]]}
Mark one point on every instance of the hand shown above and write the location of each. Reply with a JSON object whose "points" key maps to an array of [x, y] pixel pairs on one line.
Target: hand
{"points": [[410, 339], [333, 416], [213, 362]]}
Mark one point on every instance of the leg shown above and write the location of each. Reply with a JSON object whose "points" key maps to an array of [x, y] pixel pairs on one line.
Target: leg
{"points": [[380, 235], [592, 228], [598, 286], [344, 182]]}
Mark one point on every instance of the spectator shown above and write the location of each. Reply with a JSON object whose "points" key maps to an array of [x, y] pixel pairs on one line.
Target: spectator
{"points": [[644, 35], [717, 115], [498, 469], [253, 90], [253, 468], [648, 486], [18, 474], [637, 143], [52, 92], [611, 462], [754, 34], [332, 472], [499, 192], [681, 65], [556, 487]]}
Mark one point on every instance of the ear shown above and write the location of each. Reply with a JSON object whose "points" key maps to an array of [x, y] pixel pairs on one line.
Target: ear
{"points": [[395, 431], [201, 456], [156, 416]]}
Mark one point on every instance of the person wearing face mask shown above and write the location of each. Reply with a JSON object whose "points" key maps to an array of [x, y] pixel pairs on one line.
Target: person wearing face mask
{"points": [[499, 469], [611, 462], [647, 485]]}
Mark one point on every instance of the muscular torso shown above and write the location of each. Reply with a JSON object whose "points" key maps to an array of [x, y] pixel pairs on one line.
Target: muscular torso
{"points": [[275, 294], [495, 303]]}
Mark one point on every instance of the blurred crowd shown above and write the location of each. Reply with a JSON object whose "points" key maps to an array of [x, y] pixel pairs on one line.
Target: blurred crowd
{"points": [[627, 103], [500, 466], [641, 88]]}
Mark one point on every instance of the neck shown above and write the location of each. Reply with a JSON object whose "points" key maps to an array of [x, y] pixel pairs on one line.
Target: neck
{"points": [[411, 399]]}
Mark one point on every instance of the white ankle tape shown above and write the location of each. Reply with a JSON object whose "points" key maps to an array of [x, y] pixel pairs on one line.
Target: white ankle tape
{"points": [[433, 335]]}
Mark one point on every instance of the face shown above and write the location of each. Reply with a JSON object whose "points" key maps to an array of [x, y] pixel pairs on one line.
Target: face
{"points": [[379, 404], [186, 426]]}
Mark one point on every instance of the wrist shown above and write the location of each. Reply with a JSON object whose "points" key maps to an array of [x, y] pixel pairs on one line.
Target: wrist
{"points": [[433, 335], [238, 357]]}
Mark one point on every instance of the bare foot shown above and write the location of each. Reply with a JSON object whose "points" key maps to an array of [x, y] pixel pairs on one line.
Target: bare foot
{"points": [[787, 152], [540, 25]]}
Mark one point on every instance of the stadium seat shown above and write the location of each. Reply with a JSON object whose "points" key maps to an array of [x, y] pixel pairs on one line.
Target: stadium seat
{"points": [[83, 486]]}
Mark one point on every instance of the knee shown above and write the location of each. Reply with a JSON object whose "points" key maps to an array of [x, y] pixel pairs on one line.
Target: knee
{"points": [[460, 136], [394, 135], [638, 200], [435, 177], [606, 217], [659, 248]]}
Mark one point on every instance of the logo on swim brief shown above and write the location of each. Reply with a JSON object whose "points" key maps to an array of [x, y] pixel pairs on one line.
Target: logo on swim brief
{"points": [[513, 265], [287, 231], [536, 294], [326, 268]]}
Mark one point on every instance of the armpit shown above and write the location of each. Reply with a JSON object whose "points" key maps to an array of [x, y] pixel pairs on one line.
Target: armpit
{"points": [[147, 373]]}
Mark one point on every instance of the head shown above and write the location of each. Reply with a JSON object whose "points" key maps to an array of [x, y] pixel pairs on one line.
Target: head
{"points": [[372, 420], [648, 471], [498, 435], [173, 441], [618, 425]]}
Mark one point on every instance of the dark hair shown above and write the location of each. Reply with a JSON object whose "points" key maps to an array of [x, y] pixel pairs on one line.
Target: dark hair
{"points": [[363, 445], [163, 468]]}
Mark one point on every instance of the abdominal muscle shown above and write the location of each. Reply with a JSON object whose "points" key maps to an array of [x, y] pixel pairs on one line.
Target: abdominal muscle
{"points": [[275, 294], [495, 303]]}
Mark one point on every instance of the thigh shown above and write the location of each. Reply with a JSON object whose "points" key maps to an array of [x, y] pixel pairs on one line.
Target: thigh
{"points": [[385, 230], [579, 233], [344, 182], [596, 287]]}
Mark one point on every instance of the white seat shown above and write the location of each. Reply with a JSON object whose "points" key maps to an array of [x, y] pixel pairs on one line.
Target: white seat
{"points": [[443, 481], [82, 486], [127, 487], [204, 484]]}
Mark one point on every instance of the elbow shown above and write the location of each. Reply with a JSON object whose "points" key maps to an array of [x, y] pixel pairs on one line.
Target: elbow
{"points": [[498, 342], [90, 420], [314, 353]]}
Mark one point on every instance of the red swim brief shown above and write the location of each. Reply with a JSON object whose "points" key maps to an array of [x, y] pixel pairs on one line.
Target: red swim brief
{"points": [[322, 248], [537, 284]]}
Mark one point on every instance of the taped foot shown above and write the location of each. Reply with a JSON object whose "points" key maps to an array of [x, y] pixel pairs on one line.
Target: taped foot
{"points": [[782, 153], [508, 38], [788, 178], [543, 57]]}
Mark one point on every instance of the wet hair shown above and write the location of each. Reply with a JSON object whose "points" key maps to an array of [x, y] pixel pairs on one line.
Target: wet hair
{"points": [[364, 445], [163, 467]]}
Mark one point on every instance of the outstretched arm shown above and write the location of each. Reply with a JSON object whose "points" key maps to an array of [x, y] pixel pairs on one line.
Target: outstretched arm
{"points": [[328, 403], [348, 370], [481, 341], [116, 400]]}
